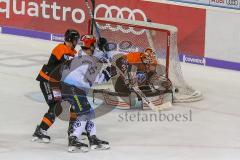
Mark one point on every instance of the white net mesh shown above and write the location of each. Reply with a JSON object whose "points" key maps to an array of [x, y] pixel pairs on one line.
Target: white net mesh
{"points": [[135, 36]]}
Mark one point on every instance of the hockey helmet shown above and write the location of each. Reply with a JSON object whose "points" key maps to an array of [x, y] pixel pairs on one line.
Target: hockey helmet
{"points": [[88, 41], [72, 36], [149, 52]]}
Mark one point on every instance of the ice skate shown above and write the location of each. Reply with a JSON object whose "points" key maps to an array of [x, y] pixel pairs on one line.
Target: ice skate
{"points": [[40, 136], [96, 143], [74, 145]]}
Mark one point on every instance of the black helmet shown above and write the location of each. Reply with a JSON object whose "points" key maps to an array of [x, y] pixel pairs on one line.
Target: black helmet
{"points": [[71, 35]]}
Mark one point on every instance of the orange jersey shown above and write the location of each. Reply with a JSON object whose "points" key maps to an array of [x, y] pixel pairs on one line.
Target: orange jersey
{"points": [[57, 57], [61, 50], [137, 58], [134, 57]]}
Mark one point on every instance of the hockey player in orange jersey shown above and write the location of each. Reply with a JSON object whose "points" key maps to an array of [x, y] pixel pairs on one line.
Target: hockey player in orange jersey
{"points": [[60, 54]]}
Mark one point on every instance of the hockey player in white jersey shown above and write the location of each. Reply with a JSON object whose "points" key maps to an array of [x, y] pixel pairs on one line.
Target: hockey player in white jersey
{"points": [[77, 78]]}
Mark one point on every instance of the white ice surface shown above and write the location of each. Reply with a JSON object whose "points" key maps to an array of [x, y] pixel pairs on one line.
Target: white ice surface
{"points": [[213, 133]]}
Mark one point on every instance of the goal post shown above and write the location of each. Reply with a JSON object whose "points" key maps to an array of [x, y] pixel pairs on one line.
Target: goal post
{"points": [[126, 36]]}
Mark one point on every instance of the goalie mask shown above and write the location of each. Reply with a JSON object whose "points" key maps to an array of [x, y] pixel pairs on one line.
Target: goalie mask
{"points": [[148, 57], [149, 52], [88, 42]]}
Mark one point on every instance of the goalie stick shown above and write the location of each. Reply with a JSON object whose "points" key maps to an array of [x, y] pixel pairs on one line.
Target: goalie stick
{"points": [[134, 87], [137, 90]]}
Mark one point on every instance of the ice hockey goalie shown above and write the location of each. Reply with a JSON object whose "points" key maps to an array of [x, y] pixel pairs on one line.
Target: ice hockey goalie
{"points": [[137, 68]]}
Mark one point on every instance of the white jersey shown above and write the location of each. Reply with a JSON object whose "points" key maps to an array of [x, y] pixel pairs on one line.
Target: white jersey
{"points": [[83, 72]]}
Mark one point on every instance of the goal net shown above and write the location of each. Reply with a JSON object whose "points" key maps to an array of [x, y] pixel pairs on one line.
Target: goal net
{"points": [[126, 36]]}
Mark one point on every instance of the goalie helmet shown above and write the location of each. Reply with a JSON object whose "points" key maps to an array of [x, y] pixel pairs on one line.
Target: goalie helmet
{"points": [[88, 42], [148, 56], [149, 52]]}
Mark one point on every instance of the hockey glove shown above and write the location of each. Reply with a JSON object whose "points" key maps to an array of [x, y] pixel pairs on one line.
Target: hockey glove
{"points": [[109, 71], [103, 44]]}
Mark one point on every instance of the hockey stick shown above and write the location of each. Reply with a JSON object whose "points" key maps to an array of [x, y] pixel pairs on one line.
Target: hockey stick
{"points": [[135, 87], [91, 14], [146, 100]]}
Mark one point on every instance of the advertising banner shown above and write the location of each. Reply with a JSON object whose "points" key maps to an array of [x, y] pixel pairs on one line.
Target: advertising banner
{"points": [[44, 15], [47, 19], [231, 4], [205, 2], [225, 3], [189, 21], [56, 16]]}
